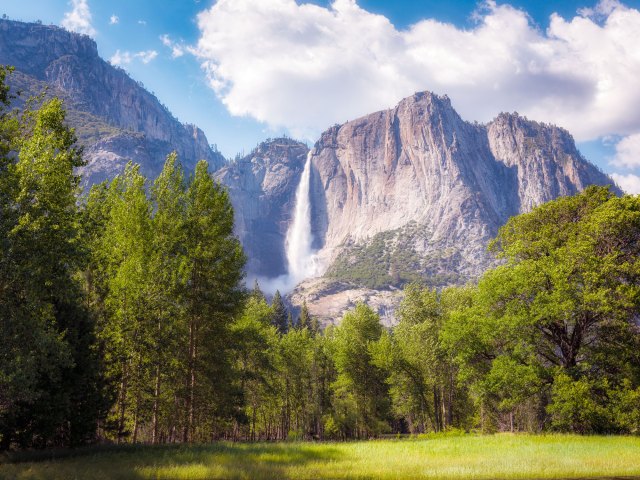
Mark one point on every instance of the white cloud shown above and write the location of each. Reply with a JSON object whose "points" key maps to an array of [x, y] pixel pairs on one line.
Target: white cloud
{"points": [[146, 56], [177, 49], [628, 152], [305, 67], [142, 22], [79, 18], [630, 183], [120, 58], [114, 19], [124, 58]]}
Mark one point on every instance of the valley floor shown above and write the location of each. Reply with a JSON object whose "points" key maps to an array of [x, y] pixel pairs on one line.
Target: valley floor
{"points": [[479, 457]]}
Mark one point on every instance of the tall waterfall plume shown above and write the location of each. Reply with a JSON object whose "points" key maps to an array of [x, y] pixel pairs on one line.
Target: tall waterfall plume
{"points": [[301, 257]]}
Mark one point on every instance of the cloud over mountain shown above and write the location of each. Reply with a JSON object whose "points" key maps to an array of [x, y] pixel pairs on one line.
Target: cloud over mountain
{"points": [[304, 67], [79, 18]]}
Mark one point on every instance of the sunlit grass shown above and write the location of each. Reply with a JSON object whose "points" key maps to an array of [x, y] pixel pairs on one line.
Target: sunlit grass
{"points": [[478, 457]]}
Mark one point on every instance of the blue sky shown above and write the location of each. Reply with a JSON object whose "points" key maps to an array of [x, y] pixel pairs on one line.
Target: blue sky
{"points": [[245, 70]]}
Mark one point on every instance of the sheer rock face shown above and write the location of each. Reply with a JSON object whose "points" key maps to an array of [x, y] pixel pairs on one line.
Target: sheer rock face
{"points": [[262, 188], [455, 182], [107, 107], [417, 162]]}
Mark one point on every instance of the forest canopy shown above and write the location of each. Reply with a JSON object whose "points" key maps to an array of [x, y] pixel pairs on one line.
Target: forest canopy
{"points": [[124, 318]]}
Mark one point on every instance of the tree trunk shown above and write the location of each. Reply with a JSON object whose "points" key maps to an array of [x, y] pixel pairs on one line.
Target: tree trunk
{"points": [[186, 435], [122, 399], [156, 406], [436, 409]]}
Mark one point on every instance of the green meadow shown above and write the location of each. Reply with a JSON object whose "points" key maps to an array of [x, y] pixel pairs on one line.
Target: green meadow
{"points": [[438, 457]]}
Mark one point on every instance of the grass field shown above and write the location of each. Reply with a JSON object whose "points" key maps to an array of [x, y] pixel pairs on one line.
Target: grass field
{"points": [[478, 457]]}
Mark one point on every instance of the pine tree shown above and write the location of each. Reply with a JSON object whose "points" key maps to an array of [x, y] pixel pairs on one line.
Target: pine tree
{"points": [[257, 291], [169, 198], [279, 317], [213, 294], [126, 250], [304, 320]]}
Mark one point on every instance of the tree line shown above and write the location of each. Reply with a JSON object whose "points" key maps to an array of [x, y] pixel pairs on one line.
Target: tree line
{"points": [[124, 318]]}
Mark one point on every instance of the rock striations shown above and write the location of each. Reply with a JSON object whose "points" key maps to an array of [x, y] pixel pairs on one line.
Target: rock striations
{"points": [[416, 192], [115, 117]]}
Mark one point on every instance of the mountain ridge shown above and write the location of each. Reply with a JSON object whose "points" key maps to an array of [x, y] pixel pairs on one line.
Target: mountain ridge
{"points": [[137, 126]]}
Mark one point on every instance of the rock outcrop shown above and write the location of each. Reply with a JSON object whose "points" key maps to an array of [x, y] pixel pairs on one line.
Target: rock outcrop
{"points": [[115, 118]]}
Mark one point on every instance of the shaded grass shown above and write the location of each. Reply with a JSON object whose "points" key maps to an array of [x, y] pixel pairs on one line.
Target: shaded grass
{"points": [[479, 457]]}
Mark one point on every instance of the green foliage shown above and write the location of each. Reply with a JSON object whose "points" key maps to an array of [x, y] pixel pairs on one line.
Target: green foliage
{"points": [[421, 372], [166, 276], [280, 314], [389, 259], [50, 384], [362, 403], [574, 406], [565, 301]]}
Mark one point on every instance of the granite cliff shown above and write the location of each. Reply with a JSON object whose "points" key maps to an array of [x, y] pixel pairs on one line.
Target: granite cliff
{"points": [[115, 118], [416, 193]]}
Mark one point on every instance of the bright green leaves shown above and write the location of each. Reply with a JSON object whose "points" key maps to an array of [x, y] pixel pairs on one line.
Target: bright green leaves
{"points": [[48, 364], [556, 324], [166, 273], [360, 385]]}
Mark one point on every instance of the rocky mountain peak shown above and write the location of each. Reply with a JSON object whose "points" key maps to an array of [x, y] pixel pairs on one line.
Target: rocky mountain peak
{"points": [[35, 46], [429, 103], [415, 193], [135, 126]]}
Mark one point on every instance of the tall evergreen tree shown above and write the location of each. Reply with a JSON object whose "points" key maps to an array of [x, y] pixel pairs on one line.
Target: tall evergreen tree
{"points": [[213, 294], [257, 291], [280, 314], [305, 319], [167, 277], [126, 250]]}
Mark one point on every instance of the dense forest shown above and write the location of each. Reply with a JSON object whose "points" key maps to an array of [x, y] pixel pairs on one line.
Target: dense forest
{"points": [[124, 317]]}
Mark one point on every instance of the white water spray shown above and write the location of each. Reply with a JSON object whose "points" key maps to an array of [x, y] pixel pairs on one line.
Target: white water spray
{"points": [[301, 257]]}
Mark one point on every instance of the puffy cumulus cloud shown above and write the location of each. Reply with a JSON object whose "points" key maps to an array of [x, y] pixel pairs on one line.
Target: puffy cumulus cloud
{"points": [[630, 183], [124, 58], [304, 67], [114, 19], [79, 18], [628, 152]]}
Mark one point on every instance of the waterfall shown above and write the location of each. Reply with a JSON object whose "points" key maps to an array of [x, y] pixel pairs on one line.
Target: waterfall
{"points": [[300, 254], [302, 261]]}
